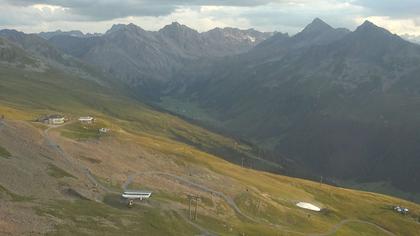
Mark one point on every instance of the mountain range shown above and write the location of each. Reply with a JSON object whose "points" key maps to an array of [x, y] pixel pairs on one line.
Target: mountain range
{"points": [[325, 102], [145, 59]]}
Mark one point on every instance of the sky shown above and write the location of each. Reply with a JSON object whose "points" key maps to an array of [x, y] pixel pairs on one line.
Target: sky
{"points": [[398, 16]]}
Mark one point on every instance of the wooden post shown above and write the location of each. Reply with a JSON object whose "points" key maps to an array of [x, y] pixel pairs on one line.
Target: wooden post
{"points": [[196, 199], [189, 206], [196, 206], [258, 207]]}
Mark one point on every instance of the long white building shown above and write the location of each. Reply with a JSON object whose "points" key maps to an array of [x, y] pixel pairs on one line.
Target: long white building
{"points": [[132, 195]]}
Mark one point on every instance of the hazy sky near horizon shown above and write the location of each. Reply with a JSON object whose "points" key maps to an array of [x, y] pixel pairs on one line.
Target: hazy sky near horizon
{"points": [[399, 16]]}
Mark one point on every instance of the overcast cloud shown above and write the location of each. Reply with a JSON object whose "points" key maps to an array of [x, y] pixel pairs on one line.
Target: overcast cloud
{"points": [[399, 16]]}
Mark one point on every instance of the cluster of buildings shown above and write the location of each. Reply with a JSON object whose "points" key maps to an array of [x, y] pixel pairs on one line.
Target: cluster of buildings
{"points": [[60, 119], [57, 119]]}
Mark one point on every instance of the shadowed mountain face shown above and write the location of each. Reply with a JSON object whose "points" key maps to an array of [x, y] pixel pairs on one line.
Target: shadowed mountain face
{"points": [[343, 104], [145, 60]]}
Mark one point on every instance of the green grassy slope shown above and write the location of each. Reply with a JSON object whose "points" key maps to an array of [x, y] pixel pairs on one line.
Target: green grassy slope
{"points": [[54, 91], [50, 92]]}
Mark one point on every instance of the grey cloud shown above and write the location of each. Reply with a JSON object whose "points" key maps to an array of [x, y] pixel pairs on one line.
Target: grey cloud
{"points": [[103, 10], [292, 19], [112, 9], [416, 21], [392, 8], [281, 15]]}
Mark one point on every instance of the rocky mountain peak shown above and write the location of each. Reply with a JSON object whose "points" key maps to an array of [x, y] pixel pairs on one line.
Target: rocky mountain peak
{"points": [[123, 27], [369, 27], [317, 26], [176, 27], [373, 33]]}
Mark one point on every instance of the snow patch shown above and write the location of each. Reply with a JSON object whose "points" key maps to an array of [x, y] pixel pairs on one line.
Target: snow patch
{"points": [[252, 39], [308, 206]]}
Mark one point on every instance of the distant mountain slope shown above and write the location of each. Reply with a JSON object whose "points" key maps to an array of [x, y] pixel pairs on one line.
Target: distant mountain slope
{"points": [[146, 59], [48, 54], [345, 104]]}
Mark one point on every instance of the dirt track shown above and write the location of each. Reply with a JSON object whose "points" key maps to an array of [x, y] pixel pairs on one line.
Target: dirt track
{"points": [[344, 222], [233, 205], [71, 161]]}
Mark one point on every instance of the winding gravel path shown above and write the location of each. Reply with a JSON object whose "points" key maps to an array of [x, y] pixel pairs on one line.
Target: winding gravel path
{"points": [[70, 160], [336, 227], [190, 183], [233, 205], [203, 188]]}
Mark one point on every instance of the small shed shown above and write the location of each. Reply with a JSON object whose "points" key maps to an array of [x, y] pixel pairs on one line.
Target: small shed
{"points": [[104, 130]]}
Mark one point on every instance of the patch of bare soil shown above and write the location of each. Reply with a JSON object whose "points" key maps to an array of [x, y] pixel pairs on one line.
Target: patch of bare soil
{"points": [[27, 184], [21, 219]]}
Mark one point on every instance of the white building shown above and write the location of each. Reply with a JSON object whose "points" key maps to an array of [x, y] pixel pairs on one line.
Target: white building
{"points": [[86, 119], [54, 120], [133, 195]]}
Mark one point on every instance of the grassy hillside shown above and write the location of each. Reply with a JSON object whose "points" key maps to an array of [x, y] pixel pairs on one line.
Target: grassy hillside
{"points": [[266, 201], [56, 92], [67, 180]]}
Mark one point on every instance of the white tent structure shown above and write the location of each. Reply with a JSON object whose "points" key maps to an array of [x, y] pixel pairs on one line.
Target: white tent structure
{"points": [[133, 195], [308, 206], [86, 119]]}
